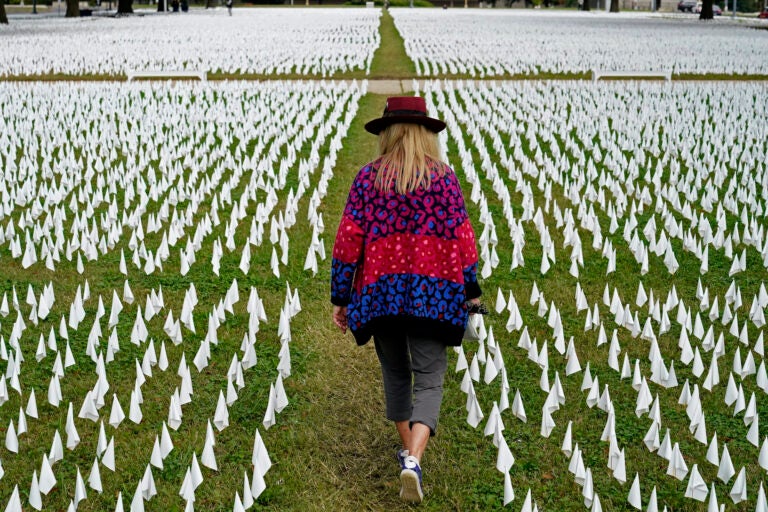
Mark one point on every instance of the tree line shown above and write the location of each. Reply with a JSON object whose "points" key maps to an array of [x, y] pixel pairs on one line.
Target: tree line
{"points": [[73, 8]]}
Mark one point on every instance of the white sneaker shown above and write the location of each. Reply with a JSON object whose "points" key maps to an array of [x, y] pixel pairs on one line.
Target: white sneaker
{"points": [[410, 480]]}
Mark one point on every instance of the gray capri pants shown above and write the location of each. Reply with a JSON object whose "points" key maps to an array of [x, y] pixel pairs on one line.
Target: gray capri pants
{"points": [[412, 368]]}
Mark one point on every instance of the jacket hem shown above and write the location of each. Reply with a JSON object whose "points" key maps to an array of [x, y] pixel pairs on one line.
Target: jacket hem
{"points": [[451, 335]]}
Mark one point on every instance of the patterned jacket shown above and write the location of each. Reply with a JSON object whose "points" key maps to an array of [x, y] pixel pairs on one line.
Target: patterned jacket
{"points": [[405, 262]]}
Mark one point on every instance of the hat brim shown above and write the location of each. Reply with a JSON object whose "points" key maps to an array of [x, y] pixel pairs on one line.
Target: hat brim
{"points": [[377, 125]]}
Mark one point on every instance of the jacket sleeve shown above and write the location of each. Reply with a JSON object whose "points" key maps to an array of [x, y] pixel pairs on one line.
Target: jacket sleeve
{"points": [[469, 260], [347, 248], [467, 246]]}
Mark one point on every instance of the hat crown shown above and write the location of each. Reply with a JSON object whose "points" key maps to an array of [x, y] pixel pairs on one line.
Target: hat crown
{"points": [[411, 104], [405, 109]]}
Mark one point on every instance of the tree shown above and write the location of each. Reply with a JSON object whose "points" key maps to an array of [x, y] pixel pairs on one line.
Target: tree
{"points": [[124, 6], [614, 5], [706, 10], [160, 5], [73, 9], [3, 16], [584, 5]]}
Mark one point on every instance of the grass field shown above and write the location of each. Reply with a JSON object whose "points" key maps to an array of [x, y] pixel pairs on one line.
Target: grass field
{"points": [[289, 58], [540, 464], [331, 447]]}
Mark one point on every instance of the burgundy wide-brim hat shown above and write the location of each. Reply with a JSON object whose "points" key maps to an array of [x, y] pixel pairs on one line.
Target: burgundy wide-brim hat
{"points": [[405, 109]]}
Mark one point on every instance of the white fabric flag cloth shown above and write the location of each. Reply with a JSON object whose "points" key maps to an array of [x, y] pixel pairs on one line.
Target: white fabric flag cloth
{"points": [[80, 491], [47, 480], [221, 417], [14, 504], [527, 503], [94, 477], [725, 470], [108, 457], [257, 483], [762, 503], [156, 459], [739, 490], [269, 414], [697, 488], [509, 492], [208, 457], [11, 440], [634, 497], [137, 503], [504, 460], [147, 484], [35, 500], [260, 456]]}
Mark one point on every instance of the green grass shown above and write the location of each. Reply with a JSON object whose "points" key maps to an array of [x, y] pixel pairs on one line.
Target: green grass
{"points": [[134, 442], [459, 463], [539, 459], [390, 60], [343, 456]]}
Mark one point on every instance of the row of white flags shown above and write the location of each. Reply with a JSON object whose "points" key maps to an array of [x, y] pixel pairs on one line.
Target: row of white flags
{"points": [[218, 188], [257, 41], [444, 43], [45, 479], [709, 324], [176, 197]]}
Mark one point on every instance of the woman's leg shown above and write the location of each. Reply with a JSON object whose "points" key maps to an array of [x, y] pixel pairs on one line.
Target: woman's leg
{"points": [[413, 369], [429, 362], [404, 429], [396, 374], [418, 440]]}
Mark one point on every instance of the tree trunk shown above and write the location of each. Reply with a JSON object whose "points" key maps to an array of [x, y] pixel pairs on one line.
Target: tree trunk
{"points": [[706, 10], [160, 5], [585, 5], [124, 6], [207, 3], [3, 16], [614, 5], [73, 9]]}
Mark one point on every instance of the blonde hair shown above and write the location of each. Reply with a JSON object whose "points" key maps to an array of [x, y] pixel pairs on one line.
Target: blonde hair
{"points": [[408, 152]]}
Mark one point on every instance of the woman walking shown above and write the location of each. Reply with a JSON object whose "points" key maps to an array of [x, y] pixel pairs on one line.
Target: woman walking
{"points": [[405, 272]]}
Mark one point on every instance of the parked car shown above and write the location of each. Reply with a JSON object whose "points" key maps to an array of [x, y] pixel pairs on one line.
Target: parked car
{"points": [[686, 5], [716, 10], [763, 14]]}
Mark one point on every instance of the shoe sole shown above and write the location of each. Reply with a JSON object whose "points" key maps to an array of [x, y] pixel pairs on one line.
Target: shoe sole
{"points": [[411, 487]]}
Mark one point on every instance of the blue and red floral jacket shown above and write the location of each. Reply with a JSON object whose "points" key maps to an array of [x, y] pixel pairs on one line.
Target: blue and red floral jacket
{"points": [[405, 261]]}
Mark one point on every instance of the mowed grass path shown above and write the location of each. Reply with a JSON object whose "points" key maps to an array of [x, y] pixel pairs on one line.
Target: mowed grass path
{"points": [[345, 459], [343, 456], [390, 60]]}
